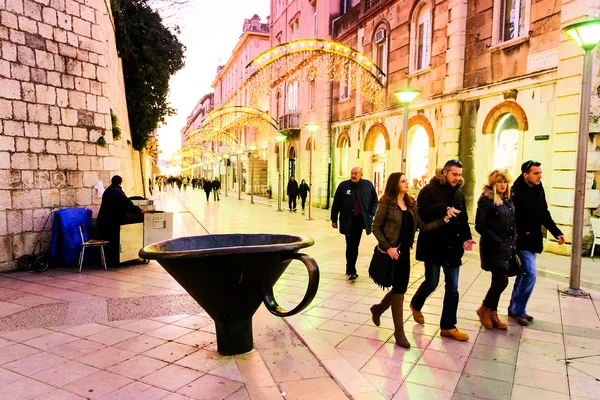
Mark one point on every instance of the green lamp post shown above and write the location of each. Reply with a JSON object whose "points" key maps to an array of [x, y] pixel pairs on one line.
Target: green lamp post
{"points": [[405, 97], [587, 35]]}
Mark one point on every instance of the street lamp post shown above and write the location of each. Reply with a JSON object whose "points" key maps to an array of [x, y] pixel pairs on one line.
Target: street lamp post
{"points": [[281, 139], [587, 35], [405, 96], [238, 158], [226, 157], [251, 150], [312, 128]]}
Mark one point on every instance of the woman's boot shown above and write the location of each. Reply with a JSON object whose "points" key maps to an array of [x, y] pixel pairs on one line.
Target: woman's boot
{"points": [[485, 316], [496, 321], [378, 309], [398, 316]]}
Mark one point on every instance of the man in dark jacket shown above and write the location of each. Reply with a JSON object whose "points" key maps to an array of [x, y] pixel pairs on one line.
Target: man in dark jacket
{"points": [[292, 192], [113, 213], [531, 212], [216, 186], [355, 201], [443, 248]]}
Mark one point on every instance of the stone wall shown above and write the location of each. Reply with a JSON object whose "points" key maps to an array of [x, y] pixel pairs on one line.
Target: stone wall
{"points": [[60, 77]]}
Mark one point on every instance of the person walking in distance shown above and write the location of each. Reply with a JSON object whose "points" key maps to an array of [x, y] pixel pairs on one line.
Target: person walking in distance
{"points": [[216, 186], [394, 226], [443, 248], [495, 222], [355, 202], [207, 186], [531, 212], [292, 193], [303, 190]]}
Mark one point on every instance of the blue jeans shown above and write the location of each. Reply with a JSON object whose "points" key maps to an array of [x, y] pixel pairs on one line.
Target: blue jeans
{"points": [[432, 278], [523, 284]]}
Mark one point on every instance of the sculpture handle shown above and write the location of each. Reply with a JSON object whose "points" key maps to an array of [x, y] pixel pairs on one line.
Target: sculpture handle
{"points": [[313, 286]]}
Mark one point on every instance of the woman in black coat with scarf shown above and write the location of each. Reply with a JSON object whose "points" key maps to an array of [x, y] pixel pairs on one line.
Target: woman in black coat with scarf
{"points": [[495, 222]]}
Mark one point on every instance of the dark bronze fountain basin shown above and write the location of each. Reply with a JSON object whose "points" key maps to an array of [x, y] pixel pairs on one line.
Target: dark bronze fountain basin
{"points": [[230, 275]]}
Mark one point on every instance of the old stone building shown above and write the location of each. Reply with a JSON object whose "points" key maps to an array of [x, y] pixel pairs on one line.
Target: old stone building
{"points": [[499, 85], [60, 79]]}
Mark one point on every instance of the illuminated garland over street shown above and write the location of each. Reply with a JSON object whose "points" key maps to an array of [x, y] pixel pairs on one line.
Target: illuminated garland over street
{"points": [[308, 59], [187, 156], [222, 124]]}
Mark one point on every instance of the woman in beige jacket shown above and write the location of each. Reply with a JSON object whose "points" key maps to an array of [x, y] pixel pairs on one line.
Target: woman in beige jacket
{"points": [[394, 226]]}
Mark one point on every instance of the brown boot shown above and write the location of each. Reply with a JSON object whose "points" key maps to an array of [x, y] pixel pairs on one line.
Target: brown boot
{"points": [[485, 317], [378, 309], [496, 321], [417, 316], [397, 301], [454, 334]]}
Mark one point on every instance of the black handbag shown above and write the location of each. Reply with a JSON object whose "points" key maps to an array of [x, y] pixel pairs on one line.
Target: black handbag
{"points": [[514, 266], [381, 268]]}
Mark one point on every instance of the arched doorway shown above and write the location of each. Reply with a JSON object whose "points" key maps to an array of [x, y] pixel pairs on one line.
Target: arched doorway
{"points": [[418, 148], [506, 123], [343, 146], [420, 163], [377, 141], [292, 161]]}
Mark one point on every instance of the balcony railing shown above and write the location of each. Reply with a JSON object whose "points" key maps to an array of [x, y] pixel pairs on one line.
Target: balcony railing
{"points": [[290, 121]]}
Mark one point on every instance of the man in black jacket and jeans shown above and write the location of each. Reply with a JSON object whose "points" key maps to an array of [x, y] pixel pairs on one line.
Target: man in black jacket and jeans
{"points": [[444, 247], [531, 212], [355, 201]]}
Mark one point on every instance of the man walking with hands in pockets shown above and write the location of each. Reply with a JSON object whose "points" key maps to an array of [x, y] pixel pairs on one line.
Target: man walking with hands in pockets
{"points": [[355, 202], [444, 247]]}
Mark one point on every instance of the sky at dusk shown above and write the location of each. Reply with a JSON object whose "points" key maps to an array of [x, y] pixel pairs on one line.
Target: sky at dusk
{"points": [[209, 30]]}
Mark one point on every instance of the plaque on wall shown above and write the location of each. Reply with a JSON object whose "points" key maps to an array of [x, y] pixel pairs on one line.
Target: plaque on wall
{"points": [[542, 60]]}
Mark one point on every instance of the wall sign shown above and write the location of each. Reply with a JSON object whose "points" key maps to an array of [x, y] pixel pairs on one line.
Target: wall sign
{"points": [[542, 60], [541, 137]]}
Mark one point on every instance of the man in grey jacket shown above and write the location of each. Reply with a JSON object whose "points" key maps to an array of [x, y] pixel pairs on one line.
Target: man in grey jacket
{"points": [[355, 202]]}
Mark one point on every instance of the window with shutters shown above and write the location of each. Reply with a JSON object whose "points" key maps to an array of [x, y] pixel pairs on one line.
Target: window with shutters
{"points": [[421, 35]]}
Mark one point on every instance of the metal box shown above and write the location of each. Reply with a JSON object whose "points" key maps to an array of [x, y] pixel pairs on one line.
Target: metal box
{"points": [[156, 227]]}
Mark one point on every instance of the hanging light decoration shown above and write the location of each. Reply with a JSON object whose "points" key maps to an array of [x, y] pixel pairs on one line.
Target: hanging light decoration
{"points": [[221, 125], [306, 59], [190, 155]]}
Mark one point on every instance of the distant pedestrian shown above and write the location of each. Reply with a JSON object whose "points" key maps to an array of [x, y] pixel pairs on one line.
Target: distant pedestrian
{"points": [[394, 226], [207, 188], [292, 193], [179, 183], [495, 222], [443, 248], [150, 186], [414, 190], [216, 186], [186, 182], [303, 190], [531, 212], [355, 202]]}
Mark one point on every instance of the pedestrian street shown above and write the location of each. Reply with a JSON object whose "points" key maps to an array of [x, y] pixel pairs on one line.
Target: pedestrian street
{"points": [[132, 332]]}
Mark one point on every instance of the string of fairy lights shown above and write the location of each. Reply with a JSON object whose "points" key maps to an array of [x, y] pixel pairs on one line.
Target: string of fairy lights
{"points": [[308, 59], [300, 60]]}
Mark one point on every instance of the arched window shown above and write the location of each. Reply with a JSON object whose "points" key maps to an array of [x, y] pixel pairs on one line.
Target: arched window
{"points": [[277, 105], [380, 51], [421, 34]]}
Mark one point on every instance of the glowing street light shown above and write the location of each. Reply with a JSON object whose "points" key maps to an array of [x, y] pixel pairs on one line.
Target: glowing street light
{"points": [[405, 96], [251, 149], [280, 139], [312, 128], [587, 35]]}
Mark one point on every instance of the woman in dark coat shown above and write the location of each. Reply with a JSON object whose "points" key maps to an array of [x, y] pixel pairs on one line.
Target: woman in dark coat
{"points": [[495, 222], [303, 192], [394, 226], [207, 186]]}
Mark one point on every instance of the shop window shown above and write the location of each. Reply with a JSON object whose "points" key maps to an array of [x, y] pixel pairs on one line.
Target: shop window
{"points": [[506, 144], [344, 152]]}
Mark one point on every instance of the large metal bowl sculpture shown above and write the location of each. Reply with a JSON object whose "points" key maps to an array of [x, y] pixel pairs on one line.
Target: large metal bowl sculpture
{"points": [[230, 275]]}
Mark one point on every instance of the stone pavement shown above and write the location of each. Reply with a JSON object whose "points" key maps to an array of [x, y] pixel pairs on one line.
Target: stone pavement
{"points": [[132, 332]]}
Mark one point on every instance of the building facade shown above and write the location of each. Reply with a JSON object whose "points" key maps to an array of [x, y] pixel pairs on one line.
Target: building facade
{"points": [[499, 85]]}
